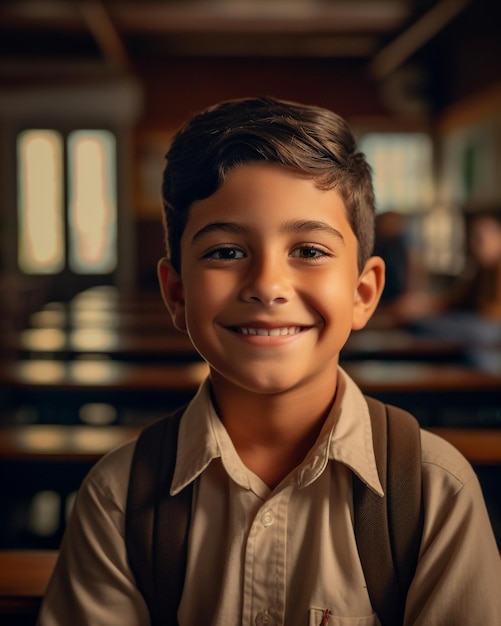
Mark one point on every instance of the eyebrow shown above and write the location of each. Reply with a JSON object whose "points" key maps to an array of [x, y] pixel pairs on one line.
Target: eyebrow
{"points": [[292, 226], [227, 227], [307, 226]]}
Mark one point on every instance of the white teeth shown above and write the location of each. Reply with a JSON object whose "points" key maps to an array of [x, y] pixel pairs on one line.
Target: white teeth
{"points": [[272, 332]]}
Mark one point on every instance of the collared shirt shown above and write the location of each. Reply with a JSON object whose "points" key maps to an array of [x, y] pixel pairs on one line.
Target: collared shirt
{"points": [[283, 556]]}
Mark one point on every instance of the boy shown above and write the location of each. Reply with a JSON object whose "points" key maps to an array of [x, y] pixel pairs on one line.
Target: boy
{"points": [[269, 214]]}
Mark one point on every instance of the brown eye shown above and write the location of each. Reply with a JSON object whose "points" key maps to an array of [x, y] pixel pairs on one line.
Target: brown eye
{"points": [[309, 252], [225, 254]]}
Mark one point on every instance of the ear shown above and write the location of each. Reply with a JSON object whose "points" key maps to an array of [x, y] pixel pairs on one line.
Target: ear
{"points": [[369, 289], [172, 292]]}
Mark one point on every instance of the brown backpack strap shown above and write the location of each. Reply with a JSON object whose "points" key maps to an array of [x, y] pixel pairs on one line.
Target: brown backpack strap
{"points": [[388, 530], [158, 555]]}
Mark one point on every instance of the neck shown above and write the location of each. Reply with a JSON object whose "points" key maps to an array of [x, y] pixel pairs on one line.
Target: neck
{"points": [[273, 433]]}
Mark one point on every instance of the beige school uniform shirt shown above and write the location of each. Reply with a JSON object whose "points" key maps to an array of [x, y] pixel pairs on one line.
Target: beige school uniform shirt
{"points": [[258, 556]]}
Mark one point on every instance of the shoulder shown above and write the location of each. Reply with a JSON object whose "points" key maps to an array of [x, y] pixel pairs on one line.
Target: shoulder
{"points": [[109, 477], [444, 463]]}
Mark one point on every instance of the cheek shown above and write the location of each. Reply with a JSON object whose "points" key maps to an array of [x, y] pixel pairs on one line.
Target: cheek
{"points": [[332, 297], [207, 295]]}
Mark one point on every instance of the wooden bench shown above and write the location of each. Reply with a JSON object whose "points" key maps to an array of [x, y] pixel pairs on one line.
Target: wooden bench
{"points": [[24, 575]]}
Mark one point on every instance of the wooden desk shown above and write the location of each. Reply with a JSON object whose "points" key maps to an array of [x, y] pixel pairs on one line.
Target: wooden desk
{"points": [[392, 344], [63, 443], [24, 575], [101, 302], [149, 321], [110, 298], [56, 391], [61, 344], [481, 446], [38, 458], [95, 375], [410, 377], [437, 394]]}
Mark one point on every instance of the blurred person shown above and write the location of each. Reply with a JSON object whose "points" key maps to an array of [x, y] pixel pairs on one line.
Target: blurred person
{"points": [[404, 271], [470, 312]]}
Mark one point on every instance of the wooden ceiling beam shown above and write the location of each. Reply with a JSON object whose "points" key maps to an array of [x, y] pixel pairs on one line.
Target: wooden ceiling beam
{"points": [[105, 34], [415, 37]]}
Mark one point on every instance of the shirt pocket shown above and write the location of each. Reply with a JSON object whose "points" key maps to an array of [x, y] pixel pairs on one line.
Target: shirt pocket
{"points": [[316, 615]]}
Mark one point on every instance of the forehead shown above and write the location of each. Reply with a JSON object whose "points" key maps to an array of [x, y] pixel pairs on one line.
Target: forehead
{"points": [[266, 193]]}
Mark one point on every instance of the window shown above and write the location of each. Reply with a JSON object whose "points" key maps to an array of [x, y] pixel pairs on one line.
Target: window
{"points": [[67, 201], [40, 202], [402, 165]]}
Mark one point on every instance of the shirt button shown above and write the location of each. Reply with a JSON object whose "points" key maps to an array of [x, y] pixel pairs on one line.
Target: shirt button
{"points": [[263, 619], [267, 518]]}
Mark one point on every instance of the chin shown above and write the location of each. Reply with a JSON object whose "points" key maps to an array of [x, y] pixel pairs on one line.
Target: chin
{"points": [[262, 383]]}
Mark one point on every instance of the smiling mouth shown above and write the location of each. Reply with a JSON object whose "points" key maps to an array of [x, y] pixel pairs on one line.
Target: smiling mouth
{"points": [[269, 332]]}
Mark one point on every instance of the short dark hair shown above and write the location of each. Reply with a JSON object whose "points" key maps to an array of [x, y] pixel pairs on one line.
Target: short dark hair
{"points": [[315, 142]]}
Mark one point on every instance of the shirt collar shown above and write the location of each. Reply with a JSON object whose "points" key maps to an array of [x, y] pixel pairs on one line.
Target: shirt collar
{"points": [[346, 437], [351, 441], [197, 445]]}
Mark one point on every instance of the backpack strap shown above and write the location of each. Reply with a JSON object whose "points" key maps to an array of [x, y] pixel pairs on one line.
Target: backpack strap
{"points": [[388, 530], [158, 553]]}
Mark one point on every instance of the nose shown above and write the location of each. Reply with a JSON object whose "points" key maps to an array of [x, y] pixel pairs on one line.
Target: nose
{"points": [[267, 282]]}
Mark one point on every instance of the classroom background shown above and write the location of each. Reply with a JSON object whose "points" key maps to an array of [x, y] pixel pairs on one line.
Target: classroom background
{"points": [[91, 93]]}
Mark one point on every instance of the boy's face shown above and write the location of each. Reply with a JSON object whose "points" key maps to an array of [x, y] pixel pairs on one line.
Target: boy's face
{"points": [[270, 288]]}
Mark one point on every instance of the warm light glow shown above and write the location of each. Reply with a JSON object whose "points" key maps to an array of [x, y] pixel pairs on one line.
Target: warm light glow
{"points": [[95, 318], [48, 318], [44, 513], [45, 439], [42, 372], [92, 201], [98, 339], [94, 372], [94, 440], [98, 298], [98, 413], [43, 339], [40, 202]]}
